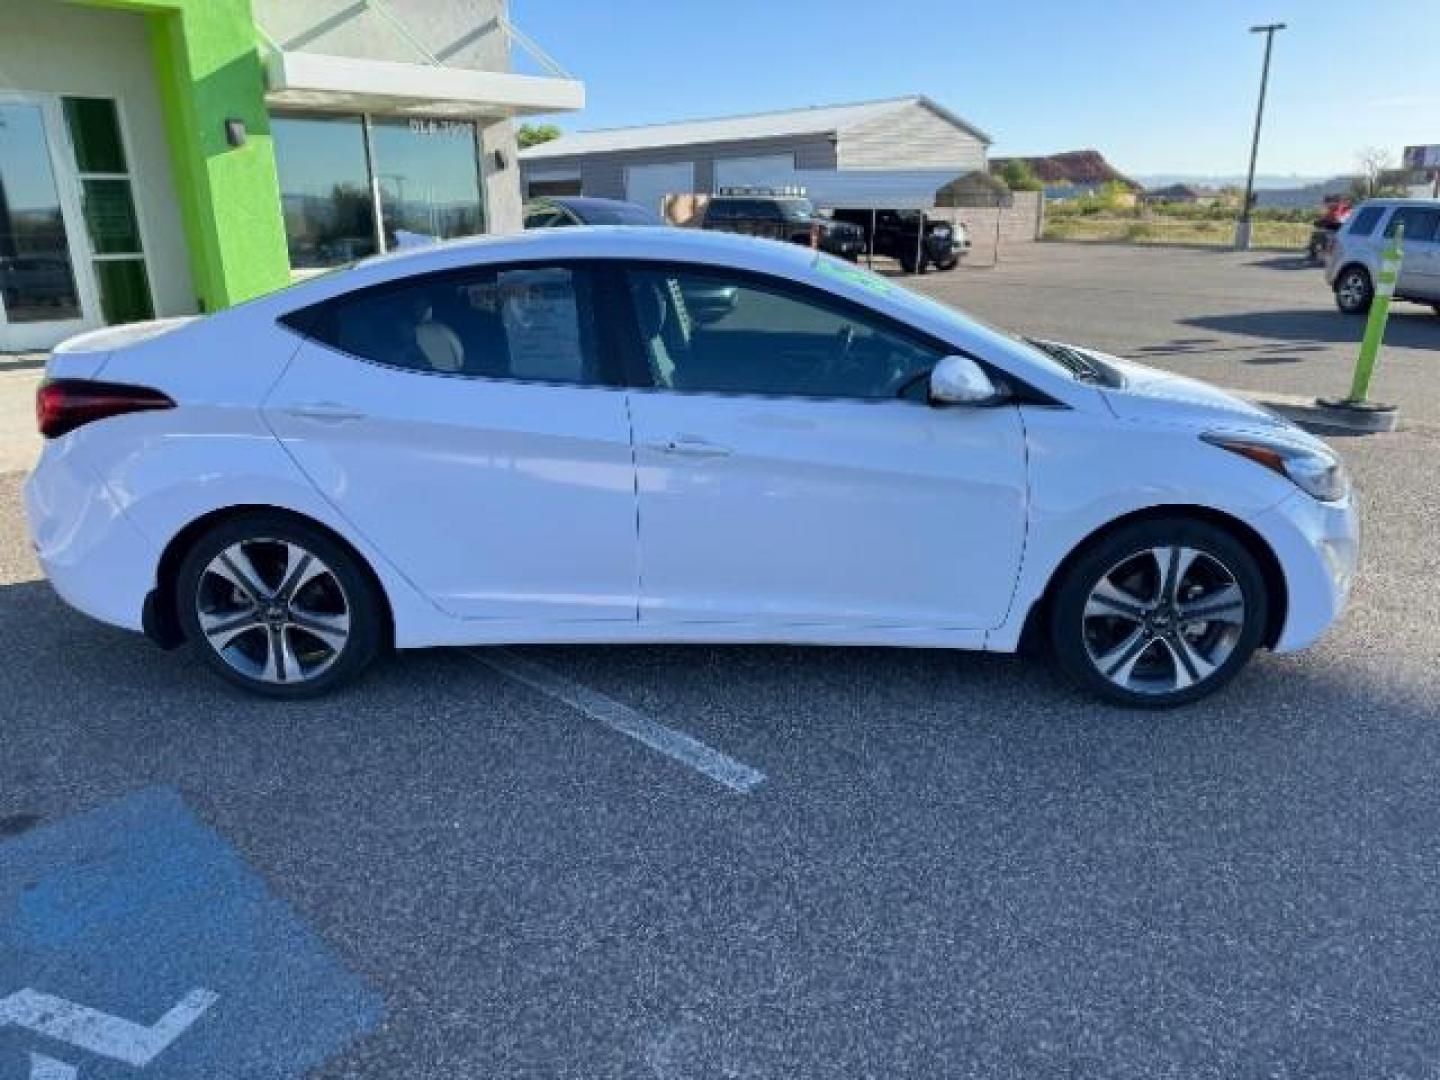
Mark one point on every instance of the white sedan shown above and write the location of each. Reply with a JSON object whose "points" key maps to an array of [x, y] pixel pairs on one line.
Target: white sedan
{"points": [[636, 435]]}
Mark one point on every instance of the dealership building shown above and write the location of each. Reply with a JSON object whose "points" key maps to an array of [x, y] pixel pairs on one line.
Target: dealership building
{"points": [[830, 145], [162, 157]]}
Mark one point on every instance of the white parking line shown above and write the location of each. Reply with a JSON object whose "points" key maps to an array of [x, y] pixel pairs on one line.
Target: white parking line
{"points": [[685, 749]]}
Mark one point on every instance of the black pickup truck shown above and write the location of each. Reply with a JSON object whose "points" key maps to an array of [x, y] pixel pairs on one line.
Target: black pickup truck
{"points": [[896, 232], [784, 217]]}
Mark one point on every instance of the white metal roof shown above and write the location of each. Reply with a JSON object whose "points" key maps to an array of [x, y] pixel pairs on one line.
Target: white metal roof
{"points": [[816, 119], [880, 189]]}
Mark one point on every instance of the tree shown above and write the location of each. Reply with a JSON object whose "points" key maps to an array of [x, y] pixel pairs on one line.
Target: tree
{"points": [[535, 134], [1377, 174], [1019, 176]]}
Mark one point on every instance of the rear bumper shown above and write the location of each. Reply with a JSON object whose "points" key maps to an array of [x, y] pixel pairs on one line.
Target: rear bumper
{"points": [[95, 558], [1318, 545]]}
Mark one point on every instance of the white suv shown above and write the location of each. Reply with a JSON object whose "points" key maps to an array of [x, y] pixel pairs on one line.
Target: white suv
{"points": [[1354, 263]]}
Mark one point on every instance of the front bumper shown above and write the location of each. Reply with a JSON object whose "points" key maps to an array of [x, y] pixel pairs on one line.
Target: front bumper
{"points": [[1318, 546], [95, 558]]}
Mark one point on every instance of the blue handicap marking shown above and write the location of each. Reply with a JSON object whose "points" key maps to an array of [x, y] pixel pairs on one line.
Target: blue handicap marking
{"points": [[134, 942]]}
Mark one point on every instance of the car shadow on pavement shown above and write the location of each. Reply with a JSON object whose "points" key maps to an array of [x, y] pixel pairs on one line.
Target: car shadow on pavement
{"points": [[1285, 262], [1413, 328]]}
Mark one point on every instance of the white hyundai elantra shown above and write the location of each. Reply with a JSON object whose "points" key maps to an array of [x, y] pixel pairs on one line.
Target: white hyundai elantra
{"points": [[663, 435]]}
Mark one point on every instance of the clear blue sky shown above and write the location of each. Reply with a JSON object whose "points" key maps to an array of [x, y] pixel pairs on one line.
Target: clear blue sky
{"points": [[1158, 86]]}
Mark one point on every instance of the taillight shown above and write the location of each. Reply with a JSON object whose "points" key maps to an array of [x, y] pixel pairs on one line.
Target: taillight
{"points": [[62, 405]]}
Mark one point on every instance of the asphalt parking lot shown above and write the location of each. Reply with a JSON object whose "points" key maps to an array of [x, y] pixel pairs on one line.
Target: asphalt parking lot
{"points": [[921, 863]]}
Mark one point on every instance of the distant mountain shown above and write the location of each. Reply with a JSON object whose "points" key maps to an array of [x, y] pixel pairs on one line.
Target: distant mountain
{"points": [[1218, 180]]}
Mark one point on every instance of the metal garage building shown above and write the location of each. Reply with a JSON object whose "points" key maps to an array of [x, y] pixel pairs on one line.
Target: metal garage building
{"points": [[643, 164]]}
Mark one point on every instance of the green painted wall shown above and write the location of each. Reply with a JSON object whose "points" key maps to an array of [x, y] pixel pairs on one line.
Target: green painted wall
{"points": [[208, 70]]}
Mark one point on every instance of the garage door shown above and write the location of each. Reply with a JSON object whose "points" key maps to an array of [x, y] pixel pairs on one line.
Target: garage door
{"points": [[771, 170], [649, 184]]}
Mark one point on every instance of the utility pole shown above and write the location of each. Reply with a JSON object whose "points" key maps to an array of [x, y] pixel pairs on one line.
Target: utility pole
{"points": [[1242, 230]]}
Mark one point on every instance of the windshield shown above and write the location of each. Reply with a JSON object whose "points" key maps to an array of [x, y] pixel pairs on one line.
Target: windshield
{"points": [[797, 209], [618, 215], [919, 304]]}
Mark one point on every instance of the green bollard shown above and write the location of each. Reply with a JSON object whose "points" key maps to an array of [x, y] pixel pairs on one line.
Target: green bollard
{"points": [[1390, 261], [1357, 413]]}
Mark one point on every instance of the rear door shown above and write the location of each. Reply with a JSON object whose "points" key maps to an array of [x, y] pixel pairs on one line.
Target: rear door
{"points": [[1420, 267], [790, 473], [471, 425]]}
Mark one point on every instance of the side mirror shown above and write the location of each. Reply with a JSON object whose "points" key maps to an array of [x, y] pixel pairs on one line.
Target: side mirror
{"points": [[958, 380]]}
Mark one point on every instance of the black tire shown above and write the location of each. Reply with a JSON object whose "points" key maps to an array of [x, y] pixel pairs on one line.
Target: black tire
{"points": [[907, 263], [1354, 291], [1154, 642], [345, 591], [947, 265]]}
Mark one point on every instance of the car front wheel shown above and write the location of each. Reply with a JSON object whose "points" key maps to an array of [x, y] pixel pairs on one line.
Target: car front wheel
{"points": [[1159, 613], [1354, 291], [278, 607]]}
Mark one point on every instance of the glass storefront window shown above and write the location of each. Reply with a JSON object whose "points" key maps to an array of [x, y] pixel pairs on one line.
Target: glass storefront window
{"points": [[109, 210], [324, 189], [37, 281], [428, 173], [95, 134]]}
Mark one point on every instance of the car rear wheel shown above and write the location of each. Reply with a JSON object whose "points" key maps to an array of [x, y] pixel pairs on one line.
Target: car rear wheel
{"points": [[278, 607], [1159, 613], [1354, 291]]}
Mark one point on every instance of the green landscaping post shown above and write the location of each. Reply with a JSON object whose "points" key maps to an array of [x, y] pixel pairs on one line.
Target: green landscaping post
{"points": [[1390, 261]]}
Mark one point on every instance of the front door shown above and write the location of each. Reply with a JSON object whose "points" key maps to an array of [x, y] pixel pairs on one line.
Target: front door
{"points": [[45, 285], [791, 474], [469, 425]]}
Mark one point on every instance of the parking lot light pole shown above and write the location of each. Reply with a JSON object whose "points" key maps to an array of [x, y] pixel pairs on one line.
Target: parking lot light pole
{"points": [[1242, 229]]}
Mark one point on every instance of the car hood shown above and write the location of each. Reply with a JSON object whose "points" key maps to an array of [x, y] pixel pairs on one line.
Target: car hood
{"points": [[1147, 393]]}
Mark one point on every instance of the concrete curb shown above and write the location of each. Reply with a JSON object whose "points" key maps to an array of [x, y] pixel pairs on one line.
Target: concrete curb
{"points": [[1327, 414]]}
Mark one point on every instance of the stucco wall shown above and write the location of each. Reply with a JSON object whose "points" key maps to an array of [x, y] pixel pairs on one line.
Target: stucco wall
{"points": [[459, 33], [65, 49]]}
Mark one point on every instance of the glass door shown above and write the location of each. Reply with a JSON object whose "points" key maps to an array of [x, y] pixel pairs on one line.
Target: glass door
{"points": [[46, 289]]}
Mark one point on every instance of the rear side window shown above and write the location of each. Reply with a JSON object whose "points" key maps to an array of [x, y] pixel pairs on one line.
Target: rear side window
{"points": [[534, 323], [1364, 222], [1420, 222]]}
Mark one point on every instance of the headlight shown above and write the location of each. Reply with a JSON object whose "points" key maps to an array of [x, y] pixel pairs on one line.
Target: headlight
{"points": [[1315, 470]]}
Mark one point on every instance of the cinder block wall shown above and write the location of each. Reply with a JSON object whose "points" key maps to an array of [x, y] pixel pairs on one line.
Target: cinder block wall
{"points": [[1020, 223]]}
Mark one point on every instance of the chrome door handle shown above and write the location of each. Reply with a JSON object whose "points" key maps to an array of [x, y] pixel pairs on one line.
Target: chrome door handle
{"points": [[326, 411], [685, 446]]}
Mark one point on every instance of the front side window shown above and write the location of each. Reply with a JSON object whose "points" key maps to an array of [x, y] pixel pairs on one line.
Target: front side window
{"points": [[1365, 221], [529, 323], [704, 330]]}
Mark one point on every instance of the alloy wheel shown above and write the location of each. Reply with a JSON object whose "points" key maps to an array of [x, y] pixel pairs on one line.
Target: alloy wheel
{"points": [[1352, 290], [1163, 619], [273, 611]]}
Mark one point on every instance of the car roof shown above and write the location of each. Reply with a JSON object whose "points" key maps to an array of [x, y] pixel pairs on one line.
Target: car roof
{"points": [[1402, 201], [662, 243]]}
